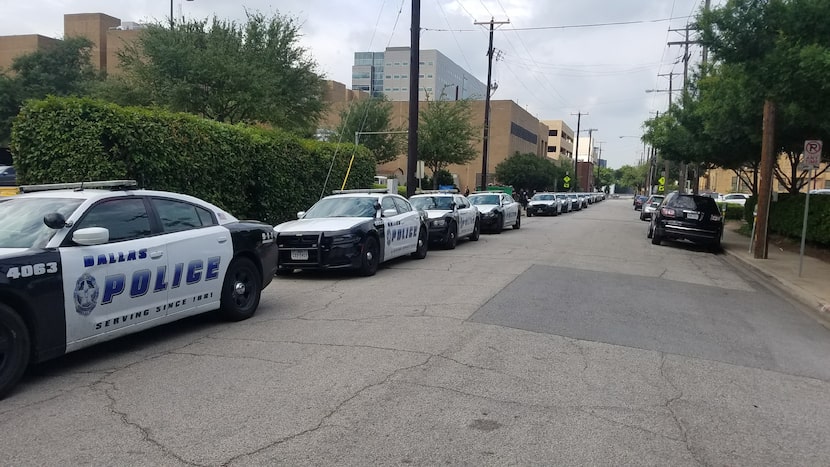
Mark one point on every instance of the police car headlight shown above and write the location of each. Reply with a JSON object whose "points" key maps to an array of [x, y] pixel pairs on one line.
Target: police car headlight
{"points": [[439, 222], [489, 214], [344, 239]]}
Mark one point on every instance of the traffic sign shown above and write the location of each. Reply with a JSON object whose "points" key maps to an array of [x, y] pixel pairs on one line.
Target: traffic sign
{"points": [[566, 185], [661, 188], [661, 181], [812, 153], [567, 179]]}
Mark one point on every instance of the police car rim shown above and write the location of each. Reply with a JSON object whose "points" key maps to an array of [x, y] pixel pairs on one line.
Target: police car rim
{"points": [[241, 287]]}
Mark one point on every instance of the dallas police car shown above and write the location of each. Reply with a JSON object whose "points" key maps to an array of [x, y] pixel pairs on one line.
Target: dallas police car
{"points": [[498, 210], [353, 229], [80, 266], [451, 216], [544, 204]]}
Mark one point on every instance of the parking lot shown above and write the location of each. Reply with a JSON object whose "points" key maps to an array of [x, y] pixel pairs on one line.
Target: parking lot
{"points": [[573, 340]]}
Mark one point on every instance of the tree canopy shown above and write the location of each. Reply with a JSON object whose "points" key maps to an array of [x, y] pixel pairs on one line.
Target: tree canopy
{"points": [[529, 171], [371, 115], [225, 71], [445, 134]]}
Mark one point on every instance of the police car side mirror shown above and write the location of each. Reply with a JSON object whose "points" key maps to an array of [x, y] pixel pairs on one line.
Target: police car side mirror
{"points": [[91, 236], [389, 213], [54, 220], [300, 214]]}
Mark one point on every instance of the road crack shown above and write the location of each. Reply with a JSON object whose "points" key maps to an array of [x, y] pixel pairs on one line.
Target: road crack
{"points": [[684, 436]]}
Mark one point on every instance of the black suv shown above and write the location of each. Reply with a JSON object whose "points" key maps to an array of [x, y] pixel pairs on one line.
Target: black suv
{"points": [[687, 217]]}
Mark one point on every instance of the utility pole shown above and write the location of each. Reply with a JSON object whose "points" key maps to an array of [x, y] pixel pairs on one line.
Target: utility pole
{"points": [[412, 137], [686, 56], [486, 141], [576, 152], [704, 58]]}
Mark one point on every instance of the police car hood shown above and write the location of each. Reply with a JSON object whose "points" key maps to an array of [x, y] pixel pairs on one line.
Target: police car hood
{"points": [[436, 213], [4, 252], [541, 201], [485, 208], [323, 224]]}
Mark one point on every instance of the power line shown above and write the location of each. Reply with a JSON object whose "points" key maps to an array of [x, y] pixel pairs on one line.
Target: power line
{"points": [[572, 26]]}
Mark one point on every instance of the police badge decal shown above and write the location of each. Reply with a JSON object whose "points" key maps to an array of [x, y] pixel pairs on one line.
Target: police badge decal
{"points": [[86, 294]]}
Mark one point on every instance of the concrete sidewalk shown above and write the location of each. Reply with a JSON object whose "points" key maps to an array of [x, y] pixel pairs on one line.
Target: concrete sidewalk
{"points": [[780, 268]]}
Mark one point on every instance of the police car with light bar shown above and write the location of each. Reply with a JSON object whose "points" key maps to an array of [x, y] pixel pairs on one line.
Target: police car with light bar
{"points": [[451, 216], [352, 229], [88, 262]]}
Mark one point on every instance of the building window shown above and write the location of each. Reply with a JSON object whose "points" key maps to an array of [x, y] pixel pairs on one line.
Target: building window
{"points": [[404, 76], [388, 76], [429, 63], [404, 89], [827, 184], [396, 89], [429, 76], [421, 76], [523, 133], [551, 148], [553, 133]]}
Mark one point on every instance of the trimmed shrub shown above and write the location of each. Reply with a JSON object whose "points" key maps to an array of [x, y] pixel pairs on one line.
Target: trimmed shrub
{"points": [[731, 211], [749, 209], [251, 172], [787, 214]]}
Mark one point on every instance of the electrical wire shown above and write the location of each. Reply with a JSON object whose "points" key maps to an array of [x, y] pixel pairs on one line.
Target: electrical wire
{"points": [[574, 26]]}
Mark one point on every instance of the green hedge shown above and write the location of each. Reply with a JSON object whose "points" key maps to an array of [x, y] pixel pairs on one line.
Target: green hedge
{"points": [[787, 214], [731, 211], [251, 172]]}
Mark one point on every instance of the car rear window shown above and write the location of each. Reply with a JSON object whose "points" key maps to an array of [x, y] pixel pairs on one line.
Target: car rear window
{"points": [[697, 203]]}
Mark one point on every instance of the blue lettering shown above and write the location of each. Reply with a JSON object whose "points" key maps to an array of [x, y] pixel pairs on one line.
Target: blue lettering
{"points": [[113, 285], [142, 253], [121, 257], [89, 261], [140, 283], [177, 275], [112, 259], [131, 255], [194, 271], [160, 286], [212, 271], [102, 259]]}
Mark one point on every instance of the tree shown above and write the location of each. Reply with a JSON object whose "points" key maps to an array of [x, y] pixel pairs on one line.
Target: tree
{"points": [[529, 171], [229, 72], [446, 134], [631, 176], [604, 177], [64, 69], [371, 115]]}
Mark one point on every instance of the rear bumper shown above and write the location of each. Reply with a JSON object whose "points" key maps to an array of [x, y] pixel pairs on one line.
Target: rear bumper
{"points": [[694, 234]]}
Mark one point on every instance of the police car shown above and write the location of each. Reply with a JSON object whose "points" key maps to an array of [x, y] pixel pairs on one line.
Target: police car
{"points": [[353, 229], [80, 265], [498, 210], [451, 216], [544, 204]]}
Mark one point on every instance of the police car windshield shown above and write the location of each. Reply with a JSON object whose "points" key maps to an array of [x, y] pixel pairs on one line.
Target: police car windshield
{"points": [[432, 202], [21, 220], [543, 197], [484, 199], [346, 206]]}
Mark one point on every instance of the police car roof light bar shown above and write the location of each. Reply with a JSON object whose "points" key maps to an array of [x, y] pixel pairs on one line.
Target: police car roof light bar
{"points": [[79, 186], [424, 192], [362, 190]]}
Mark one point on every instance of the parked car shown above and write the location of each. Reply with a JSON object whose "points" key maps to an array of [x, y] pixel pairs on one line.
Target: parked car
{"points": [[498, 210], [820, 191], [687, 217], [82, 265], [576, 203], [353, 229], [638, 202], [649, 206], [734, 198], [8, 176], [450, 217], [564, 201], [544, 204]]}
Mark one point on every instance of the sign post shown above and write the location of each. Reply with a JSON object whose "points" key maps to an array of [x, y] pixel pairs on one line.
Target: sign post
{"points": [[567, 181], [661, 185], [812, 159]]}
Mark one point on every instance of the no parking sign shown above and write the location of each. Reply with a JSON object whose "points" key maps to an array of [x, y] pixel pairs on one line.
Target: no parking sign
{"points": [[812, 153]]}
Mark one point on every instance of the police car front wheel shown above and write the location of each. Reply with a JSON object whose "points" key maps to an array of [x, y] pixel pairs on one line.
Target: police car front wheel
{"points": [[14, 348], [241, 290]]}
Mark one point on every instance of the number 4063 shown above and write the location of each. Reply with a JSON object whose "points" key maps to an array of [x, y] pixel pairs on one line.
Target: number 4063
{"points": [[30, 270]]}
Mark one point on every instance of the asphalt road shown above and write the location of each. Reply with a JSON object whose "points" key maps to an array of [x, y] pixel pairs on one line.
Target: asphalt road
{"points": [[572, 341]]}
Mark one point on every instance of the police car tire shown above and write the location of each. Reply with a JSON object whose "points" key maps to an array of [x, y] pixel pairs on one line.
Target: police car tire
{"points": [[368, 267], [421, 248], [529, 213], [499, 224], [476, 231], [452, 237], [236, 307], [518, 224], [15, 356]]}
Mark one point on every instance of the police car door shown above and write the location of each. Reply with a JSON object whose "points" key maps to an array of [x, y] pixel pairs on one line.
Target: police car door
{"points": [[411, 220], [511, 209], [119, 286], [466, 216], [397, 232], [198, 253]]}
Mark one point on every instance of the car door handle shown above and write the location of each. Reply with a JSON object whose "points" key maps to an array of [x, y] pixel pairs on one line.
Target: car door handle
{"points": [[156, 254], [222, 239]]}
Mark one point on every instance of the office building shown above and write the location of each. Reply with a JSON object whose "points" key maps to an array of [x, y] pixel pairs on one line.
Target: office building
{"points": [[387, 73], [560, 140]]}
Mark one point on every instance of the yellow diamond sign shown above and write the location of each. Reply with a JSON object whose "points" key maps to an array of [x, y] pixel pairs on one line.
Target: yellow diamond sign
{"points": [[661, 181], [567, 179]]}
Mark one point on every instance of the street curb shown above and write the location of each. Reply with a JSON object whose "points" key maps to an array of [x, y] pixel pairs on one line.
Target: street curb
{"points": [[805, 298]]}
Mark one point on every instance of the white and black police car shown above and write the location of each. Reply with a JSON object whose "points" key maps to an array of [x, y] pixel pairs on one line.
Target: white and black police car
{"points": [[80, 265], [498, 210], [352, 229], [451, 216]]}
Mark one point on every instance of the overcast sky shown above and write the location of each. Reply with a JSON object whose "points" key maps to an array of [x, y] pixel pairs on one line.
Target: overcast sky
{"points": [[559, 57]]}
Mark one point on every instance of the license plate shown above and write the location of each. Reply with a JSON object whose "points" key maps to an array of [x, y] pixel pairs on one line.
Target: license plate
{"points": [[693, 216], [299, 255]]}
